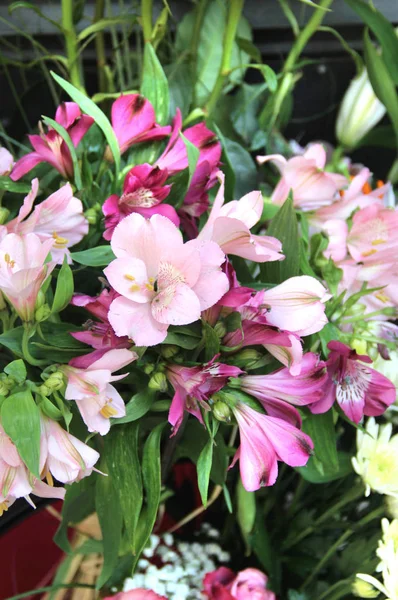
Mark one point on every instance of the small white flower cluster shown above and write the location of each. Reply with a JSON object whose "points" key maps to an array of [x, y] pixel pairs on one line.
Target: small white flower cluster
{"points": [[176, 569]]}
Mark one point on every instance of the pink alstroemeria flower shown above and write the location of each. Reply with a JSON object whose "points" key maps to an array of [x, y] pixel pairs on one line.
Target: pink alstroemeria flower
{"points": [[15, 479], [265, 440], [162, 281], [358, 389], [134, 121], [312, 187], [229, 226], [96, 399], [277, 388], [66, 458], [6, 162], [138, 594], [193, 386], [50, 147], [143, 191], [99, 334], [223, 584], [23, 271], [60, 218]]}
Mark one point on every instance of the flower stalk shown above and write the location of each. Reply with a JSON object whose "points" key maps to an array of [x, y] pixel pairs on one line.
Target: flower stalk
{"points": [[146, 16], [71, 44]]}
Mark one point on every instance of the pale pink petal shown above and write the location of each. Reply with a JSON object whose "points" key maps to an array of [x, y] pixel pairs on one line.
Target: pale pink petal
{"points": [[337, 231], [317, 153], [42, 490], [176, 305], [129, 277], [248, 209], [289, 356], [136, 321], [114, 360], [277, 159]]}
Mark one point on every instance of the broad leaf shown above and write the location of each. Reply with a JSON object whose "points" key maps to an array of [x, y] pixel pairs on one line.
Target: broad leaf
{"points": [[203, 468], [138, 406], [154, 85], [78, 504], [100, 256], [17, 370], [20, 418], [9, 185], [311, 473], [321, 430]]}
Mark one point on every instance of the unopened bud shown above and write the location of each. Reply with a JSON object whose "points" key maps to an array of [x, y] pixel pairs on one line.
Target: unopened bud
{"points": [[222, 412], [169, 351], [44, 390], [355, 310], [3, 389], [220, 329], [364, 589], [248, 358], [4, 214], [158, 382], [360, 346], [91, 216], [373, 351], [42, 313], [149, 368], [40, 300], [55, 381]]}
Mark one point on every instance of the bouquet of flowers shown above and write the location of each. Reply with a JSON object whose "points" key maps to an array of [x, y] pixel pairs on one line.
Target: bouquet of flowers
{"points": [[164, 298]]}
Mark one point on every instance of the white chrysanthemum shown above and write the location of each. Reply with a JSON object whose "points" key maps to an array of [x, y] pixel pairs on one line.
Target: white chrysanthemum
{"points": [[377, 458], [387, 550]]}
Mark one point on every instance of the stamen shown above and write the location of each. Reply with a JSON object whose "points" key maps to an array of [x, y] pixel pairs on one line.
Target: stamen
{"points": [[382, 297], [49, 478], [129, 277], [3, 507], [366, 188], [135, 288], [60, 242], [149, 287], [108, 411], [369, 252], [378, 242], [8, 260]]}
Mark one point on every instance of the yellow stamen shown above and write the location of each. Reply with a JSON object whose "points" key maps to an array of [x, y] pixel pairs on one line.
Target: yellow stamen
{"points": [[8, 260], [135, 288], [366, 188], [378, 242], [151, 280], [60, 242], [382, 297], [3, 507], [129, 277], [369, 252], [108, 411], [49, 478], [149, 287]]}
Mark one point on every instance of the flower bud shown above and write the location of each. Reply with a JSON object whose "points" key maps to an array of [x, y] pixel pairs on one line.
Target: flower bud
{"points": [[149, 368], [44, 390], [4, 214], [55, 381], [373, 351], [363, 589], [220, 329], [169, 351], [3, 389], [158, 382], [222, 412], [42, 313], [91, 216], [359, 112], [248, 358], [360, 346]]}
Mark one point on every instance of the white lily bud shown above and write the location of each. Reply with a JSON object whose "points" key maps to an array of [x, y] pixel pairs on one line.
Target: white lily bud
{"points": [[359, 112]]}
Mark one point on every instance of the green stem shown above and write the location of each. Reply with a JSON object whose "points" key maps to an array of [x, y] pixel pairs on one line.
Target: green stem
{"points": [[71, 44], [235, 11], [27, 332], [100, 47], [306, 33], [146, 17]]}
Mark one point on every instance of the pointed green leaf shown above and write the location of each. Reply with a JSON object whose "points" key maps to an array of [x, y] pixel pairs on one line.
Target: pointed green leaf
{"points": [[17, 370], [203, 468], [212, 341], [321, 430], [78, 504], [64, 289], [100, 256], [9, 185], [154, 85], [138, 406]]}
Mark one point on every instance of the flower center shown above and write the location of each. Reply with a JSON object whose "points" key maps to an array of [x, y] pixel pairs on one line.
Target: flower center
{"points": [[107, 410], [9, 262], [141, 197], [356, 380], [60, 242]]}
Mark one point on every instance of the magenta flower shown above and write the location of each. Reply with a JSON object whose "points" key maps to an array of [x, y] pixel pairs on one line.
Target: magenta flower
{"points": [[229, 226], [60, 218], [138, 594], [23, 270], [311, 185], [194, 385], [265, 440], [358, 389], [134, 121], [6, 162], [223, 584], [96, 399], [99, 334], [50, 148], [161, 280], [15, 479], [143, 192]]}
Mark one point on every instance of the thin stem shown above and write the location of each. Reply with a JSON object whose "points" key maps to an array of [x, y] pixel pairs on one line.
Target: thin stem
{"points": [[200, 11], [289, 14], [100, 46], [146, 17], [306, 33], [116, 49], [326, 557], [234, 14], [27, 332], [71, 44], [126, 48]]}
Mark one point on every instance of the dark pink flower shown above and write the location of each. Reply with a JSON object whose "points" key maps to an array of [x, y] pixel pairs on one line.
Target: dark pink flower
{"points": [[358, 389], [134, 120], [250, 584], [50, 147], [143, 191], [98, 334], [194, 385]]}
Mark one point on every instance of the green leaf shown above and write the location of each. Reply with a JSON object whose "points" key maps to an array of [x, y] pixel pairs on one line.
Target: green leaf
{"points": [[212, 341], [184, 337], [183, 180], [100, 256], [152, 478], [9, 185], [381, 81], [321, 430], [78, 504], [121, 451], [66, 137], [180, 78], [250, 49], [64, 289], [246, 511], [383, 30], [48, 408], [89, 107], [138, 406], [104, 24], [20, 418], [111, 521], [284, 227], [17, 370], [30, 6], [382, 136], [328, 333], [311, 472], [203, 468], [154, 85], [12, 340]]}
